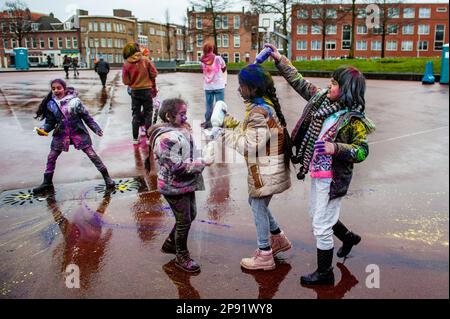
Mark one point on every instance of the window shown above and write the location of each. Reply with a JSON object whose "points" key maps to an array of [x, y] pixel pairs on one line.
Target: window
{"points": [[423, 45], [102, 27], [316, 13], [41, 43], [225, 22], [110, 42], [392, 29], [361, 14], [13, 43], [103, 43], [439, 36], [237, 41], [330, 45], [218, 22], [108, 27], [391, 45], [394, 13], [225, 57], [50, 43], [237, 57], [152, 31], [376, 30], [408, 13], [27, 43], [110, 58], [91, 43], [376, 45], [199, 22], [302, 45], [96, 43], [5, 43], [441, 9], [346, 36], [225, 41], [236, 22], [199, 40], [331, 13], [91, 27], [68, 45], [302, 29], [60, 42], [316, 58], [408, 29], [35, 26], [316, 45], [95, 26], [361, 45], [75, 42], [316, 29], [302, 14], [361, 29], [424, 29], [424, 12], [219, 41], [407, 45], [331, 29], [33, 43], [301, 58]]}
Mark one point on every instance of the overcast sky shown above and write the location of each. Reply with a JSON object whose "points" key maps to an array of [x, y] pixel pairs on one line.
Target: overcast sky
{"points": [[142, 9]]}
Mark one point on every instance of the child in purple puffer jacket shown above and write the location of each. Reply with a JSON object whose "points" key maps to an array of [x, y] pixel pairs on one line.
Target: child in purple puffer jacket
{"points": [[64, 113]]}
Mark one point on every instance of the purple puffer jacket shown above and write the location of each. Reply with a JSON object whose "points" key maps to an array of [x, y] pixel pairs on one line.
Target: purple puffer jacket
{"points": [[67, 122]]}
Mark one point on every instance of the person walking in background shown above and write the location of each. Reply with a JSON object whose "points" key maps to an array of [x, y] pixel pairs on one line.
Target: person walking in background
{"points": [[67, 61], [213, 67], [139, 73], [102, 69]]}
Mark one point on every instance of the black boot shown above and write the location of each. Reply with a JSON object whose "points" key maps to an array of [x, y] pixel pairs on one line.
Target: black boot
{"points": [[324, 274], [186, 263], [46, 186], [348, 239], [110, 185], [169, 246]]}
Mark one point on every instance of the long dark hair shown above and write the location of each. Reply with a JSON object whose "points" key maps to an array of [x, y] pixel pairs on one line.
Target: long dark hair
{"points": [[352, 86], [42, 109], [260, 84]]}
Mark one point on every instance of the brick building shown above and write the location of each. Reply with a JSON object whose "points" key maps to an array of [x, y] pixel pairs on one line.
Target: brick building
{"points": [[236, 38], [105, 36], [155, 36], [47, 36], [412, 30]]}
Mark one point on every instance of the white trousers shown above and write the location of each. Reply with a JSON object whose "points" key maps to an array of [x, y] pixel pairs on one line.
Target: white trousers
{"points": [[323, 212]]}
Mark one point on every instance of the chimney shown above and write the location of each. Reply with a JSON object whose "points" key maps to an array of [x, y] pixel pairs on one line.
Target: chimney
{"points": [[51, 15]]}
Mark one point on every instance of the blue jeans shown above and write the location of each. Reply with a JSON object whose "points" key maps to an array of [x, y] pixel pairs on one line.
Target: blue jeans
{"points": [[264, 220], [211, 95]]}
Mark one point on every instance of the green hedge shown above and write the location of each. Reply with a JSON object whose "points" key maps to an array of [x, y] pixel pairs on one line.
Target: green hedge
{"points": [[388, 65]]}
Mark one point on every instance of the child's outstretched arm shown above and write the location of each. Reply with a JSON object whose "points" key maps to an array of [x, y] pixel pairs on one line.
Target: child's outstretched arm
{"points": [[87, 118], [305, 88], [358, 148]]}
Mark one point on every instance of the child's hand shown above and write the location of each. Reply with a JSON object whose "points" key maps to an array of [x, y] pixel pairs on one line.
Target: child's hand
{"points": [[100, 133], [324, 148], [275, 54]]}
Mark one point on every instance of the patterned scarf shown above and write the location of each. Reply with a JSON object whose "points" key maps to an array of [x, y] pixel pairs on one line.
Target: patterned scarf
{"points": [[316, 116]]}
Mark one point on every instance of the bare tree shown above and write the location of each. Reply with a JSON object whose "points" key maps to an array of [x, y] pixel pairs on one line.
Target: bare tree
{"points": [[323, 15], [168, 37], [351, 54], [213, 10], [17, 19], [281, 7], [388, 12]]}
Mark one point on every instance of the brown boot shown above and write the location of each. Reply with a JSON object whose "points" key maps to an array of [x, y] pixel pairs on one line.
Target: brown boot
{"points": [[261, 259], [279, 243]]}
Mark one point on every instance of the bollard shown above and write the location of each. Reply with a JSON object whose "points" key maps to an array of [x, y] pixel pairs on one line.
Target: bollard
{"points": [[428, 77]]}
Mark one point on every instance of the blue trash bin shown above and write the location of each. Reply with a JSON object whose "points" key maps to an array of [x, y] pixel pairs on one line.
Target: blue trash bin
{"points": [[444, 65], [21, 58]]}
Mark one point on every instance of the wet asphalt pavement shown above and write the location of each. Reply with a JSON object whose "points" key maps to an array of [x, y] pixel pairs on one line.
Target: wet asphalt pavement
{"points": [[398, 202]]}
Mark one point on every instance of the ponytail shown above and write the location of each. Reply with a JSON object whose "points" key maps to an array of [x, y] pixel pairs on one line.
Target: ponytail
{"points": [[42, 109], [287, 143]]}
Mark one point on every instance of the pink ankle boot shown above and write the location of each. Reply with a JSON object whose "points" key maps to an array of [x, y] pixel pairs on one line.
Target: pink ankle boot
{"points": [[261, 259], [279, 243]]}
